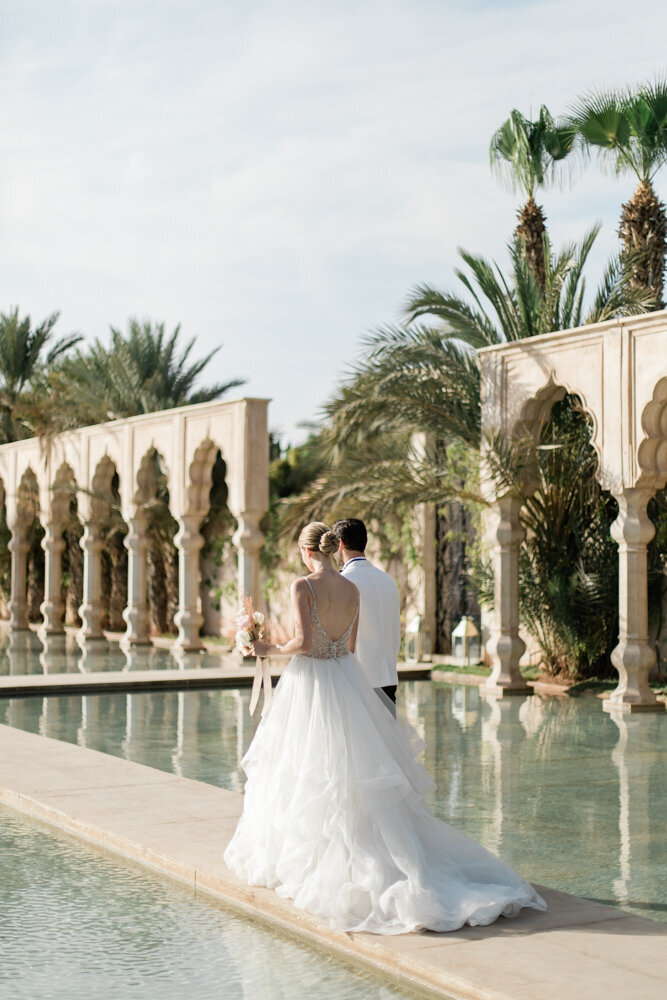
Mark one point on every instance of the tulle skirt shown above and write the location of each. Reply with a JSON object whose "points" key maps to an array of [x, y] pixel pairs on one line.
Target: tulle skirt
{"points": [[334, 815]]}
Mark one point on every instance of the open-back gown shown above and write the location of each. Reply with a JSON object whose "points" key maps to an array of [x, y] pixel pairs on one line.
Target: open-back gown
{"points": [[334, 815]]}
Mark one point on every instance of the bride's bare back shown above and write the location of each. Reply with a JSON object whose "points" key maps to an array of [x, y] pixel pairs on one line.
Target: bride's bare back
{"points": [[337, 600]]}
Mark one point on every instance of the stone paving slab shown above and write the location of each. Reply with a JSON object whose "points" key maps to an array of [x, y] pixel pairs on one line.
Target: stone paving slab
{"points": [[579, 950]]}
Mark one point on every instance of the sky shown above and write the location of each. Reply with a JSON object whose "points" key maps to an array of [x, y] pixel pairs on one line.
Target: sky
{"points": [[276, 176]]}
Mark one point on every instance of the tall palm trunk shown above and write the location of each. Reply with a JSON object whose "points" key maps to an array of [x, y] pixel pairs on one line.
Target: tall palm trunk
{"points": [[35, 593], [157, 589], [118, 584], [73, 567], [529, 233], [5, 565], [455, 596], [171, 583], [643, 231]]}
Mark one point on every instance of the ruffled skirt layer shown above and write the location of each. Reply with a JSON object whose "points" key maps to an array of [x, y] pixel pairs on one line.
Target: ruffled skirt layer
{"points": [[334, 816]]}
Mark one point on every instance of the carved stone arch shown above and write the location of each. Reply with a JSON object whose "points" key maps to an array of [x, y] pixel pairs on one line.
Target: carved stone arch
{"points": [[100, 499], [652, 454], [146, 479], [63, 489], [27, 497], [198, 486], [536, 412], [104, 582]]}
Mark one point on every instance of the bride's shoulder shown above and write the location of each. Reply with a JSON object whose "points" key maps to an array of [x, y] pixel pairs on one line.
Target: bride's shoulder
{"points": [[300, 586]]}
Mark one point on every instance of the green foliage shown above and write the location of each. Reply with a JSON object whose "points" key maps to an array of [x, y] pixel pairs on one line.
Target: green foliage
{"points": [[628, 129], [568, 560], [657, 570], [25, 355], [525, 152], [139, 372], [5, 555]]}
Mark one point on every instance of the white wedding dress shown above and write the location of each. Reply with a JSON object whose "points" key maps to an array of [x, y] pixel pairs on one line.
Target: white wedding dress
{"points": [[334, 815]]}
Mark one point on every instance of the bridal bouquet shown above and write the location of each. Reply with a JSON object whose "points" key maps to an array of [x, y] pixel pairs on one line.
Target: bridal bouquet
{"points": [[249, 626]]}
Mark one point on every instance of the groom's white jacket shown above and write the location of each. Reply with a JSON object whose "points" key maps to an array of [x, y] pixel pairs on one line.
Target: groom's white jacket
{"points": [[379, 633]]}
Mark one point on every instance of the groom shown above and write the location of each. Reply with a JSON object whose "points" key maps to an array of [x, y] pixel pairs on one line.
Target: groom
{"points": [[379, 634]]}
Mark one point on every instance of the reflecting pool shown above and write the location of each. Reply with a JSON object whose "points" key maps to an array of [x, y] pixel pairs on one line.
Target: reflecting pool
{"points": [[33, 652], [572, 797], [76, 925]]}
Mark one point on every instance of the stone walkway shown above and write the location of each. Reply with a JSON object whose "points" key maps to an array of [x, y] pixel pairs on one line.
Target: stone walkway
{"points": [[578, 950], [230, 673]]}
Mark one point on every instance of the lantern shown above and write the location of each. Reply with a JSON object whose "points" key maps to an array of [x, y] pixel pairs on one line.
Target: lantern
{"points": [[465, 641], [417, 642]]}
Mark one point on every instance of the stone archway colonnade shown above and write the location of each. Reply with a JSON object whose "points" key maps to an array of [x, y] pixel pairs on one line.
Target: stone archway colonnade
{"points": [[41, 480], [619, 371]]}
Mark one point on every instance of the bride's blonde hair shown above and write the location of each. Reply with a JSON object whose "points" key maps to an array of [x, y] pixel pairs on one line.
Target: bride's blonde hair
{"points": [[318, 537]]}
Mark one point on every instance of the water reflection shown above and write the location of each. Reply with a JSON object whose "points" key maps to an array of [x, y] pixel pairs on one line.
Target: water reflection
{"points": [[37, 652], [569, 795]]}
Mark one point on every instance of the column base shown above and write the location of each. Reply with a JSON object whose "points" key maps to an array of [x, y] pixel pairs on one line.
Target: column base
{"points": [[501, 691], [84, 639], [632, 706], [182, 647], [18, 617]]}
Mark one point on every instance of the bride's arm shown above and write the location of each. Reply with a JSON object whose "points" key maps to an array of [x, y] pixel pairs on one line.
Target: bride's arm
{"points": [[352, 641], [302, 638]]}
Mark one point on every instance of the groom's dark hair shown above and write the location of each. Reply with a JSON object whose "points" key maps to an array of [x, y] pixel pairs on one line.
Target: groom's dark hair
{"points": [[352, 533]]}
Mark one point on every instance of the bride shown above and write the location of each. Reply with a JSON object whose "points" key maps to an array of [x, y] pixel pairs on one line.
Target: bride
{"points": [[334, 815]]}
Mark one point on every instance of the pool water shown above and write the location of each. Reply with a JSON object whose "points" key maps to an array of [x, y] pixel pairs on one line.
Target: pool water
{"points": [[570, 796], [34, 652], [76, 925]]}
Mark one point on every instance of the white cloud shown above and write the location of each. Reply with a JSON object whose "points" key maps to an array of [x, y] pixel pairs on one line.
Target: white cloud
{"points": [[276, 175]]}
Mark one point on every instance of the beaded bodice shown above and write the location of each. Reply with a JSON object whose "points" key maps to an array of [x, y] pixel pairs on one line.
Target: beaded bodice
{"points": [[324, 648]]}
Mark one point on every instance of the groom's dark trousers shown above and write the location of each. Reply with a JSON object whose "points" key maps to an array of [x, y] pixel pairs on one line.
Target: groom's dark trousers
{"points": [[390, 692]]}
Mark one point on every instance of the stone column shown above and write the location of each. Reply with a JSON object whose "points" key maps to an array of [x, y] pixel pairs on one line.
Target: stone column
{"points": [[188, 618], [53, 544], [506, 647], [136, 612], [18, 605], [248, 540], [634, 655], [91, 609]]}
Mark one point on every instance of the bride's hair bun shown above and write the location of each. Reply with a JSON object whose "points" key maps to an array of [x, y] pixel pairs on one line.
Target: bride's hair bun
{"points": [[318, 537], [328, 543]]}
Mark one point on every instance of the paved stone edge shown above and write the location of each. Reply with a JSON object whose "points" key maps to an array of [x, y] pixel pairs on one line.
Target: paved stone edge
{"points": [[146, 680]]}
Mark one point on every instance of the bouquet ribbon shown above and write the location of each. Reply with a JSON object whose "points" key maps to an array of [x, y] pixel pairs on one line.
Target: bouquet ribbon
{"points": [[261, 680]]}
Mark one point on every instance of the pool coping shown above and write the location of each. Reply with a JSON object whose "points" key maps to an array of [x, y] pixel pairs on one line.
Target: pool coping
{"points": [[186, 678], [178, 828]]}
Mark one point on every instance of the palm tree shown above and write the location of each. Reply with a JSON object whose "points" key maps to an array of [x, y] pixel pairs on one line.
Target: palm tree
{"points": [[140, 372], [424, 379], [629, 132], [525, 153], [23, 360]]}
